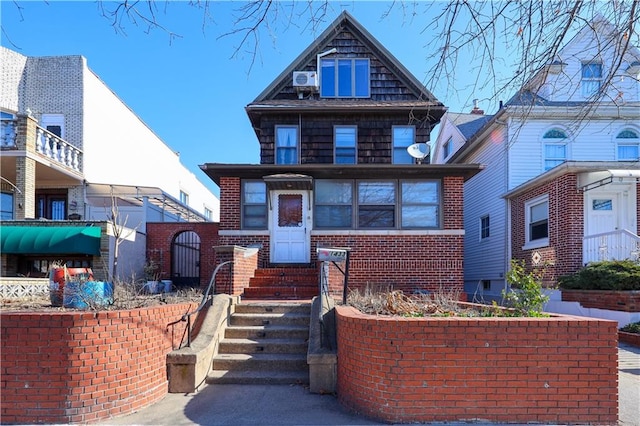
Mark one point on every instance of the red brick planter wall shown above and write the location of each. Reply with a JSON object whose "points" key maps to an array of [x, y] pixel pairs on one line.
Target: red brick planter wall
{"points": [[79, 367], [629, 338], [548, 370], [625, 301]]}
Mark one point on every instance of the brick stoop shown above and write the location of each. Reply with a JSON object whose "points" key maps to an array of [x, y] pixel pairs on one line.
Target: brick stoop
{"points": [[265, 343], [283, 283]]}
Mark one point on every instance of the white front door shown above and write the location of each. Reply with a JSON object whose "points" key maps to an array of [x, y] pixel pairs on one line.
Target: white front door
{"points": [[290, 227], [609, 216], [602, 212]]}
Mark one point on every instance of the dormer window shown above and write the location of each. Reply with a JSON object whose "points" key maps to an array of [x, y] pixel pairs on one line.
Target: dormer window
{"points": [[344, 78], [591, 78]]}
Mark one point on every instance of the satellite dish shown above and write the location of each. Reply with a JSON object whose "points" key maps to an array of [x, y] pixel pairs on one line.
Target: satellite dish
{"points": [[418, 150]]}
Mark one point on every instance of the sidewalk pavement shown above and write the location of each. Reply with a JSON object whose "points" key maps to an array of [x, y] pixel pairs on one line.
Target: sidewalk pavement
{"points": [[267, 405]]}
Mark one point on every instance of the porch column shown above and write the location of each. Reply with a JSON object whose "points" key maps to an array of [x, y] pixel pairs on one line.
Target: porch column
{"points": [[25, 199]]}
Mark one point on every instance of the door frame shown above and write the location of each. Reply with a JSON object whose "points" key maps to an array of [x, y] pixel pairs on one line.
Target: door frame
{"points": [[307, 218]]}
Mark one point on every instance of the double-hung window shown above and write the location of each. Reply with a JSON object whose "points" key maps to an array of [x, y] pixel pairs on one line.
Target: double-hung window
{"points": [[627, 142], [334, 204], [555, 148], [287, 145], [345, 138], [254, 205], [344, 78], [420, 206], [403, 137], [537, 222], [484, 227], [591, 78], [376, 204]]}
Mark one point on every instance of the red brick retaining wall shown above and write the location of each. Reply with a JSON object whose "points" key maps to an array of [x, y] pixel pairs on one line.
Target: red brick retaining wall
{"points": [[79, 367], [625, 301], [548, 370]]}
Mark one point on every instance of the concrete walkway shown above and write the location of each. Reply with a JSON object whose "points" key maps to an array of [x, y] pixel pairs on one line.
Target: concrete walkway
{"points": [[294, 405]]}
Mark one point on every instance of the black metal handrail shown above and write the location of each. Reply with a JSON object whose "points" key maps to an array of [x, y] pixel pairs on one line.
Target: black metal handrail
{"points": [[187, 317]]}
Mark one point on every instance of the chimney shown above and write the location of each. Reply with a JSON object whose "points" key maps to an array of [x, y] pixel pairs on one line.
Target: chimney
{"points": [[475, 109]]}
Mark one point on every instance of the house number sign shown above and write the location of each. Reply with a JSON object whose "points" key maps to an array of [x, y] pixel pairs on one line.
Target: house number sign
{"points": [[331, 255]]}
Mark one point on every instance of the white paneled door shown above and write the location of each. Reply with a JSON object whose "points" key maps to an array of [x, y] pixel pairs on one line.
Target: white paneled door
{"points": [[290, 227]]}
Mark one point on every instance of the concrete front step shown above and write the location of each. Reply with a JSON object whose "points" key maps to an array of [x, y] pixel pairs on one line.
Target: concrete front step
{"points": [[269, 319], [280, 292], [264, 343], [252, 346], [261, 362], [273, 308], [222, 377], [270, 332]]}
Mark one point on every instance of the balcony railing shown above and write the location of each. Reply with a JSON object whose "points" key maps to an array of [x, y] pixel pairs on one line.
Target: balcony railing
{"points": [[47, 144], [57, 149], [614, 245]]}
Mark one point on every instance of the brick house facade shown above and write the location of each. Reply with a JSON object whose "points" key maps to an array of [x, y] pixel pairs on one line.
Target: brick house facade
{"points": [[335, 170]]}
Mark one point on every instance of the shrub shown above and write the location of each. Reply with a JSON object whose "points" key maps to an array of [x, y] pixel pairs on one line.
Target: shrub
{"points": [[618, 275], [634, 327], [526, 297]]}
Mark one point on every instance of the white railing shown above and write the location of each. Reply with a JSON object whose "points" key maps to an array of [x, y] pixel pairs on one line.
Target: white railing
{"points": [[8, 134], [614, 245], [58, 149]]}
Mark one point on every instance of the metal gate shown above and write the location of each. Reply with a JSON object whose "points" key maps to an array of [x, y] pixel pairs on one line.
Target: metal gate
{"points": [[185, 259]]}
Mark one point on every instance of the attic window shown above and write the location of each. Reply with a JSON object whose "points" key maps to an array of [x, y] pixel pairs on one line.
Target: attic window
{"points": [[591, 78], [344, 78]]}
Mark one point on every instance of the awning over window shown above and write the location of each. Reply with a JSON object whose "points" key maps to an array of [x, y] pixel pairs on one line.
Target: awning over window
{"points": [[50, 239], [592, 180]]}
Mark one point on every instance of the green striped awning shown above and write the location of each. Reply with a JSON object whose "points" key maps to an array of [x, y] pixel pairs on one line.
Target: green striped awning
{"points": [[50, 239]]}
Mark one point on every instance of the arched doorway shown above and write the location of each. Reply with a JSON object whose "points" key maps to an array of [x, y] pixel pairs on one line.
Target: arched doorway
{"points": [[185, 259]]}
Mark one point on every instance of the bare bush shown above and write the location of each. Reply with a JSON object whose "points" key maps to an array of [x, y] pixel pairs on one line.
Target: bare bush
{"points": [[378, 300]]}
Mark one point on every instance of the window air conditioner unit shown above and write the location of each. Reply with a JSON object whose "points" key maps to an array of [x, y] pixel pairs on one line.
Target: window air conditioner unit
{"points": [[305, 79]]}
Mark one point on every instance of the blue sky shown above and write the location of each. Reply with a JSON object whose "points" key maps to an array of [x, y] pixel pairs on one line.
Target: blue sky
{"points": [[191, 90]]}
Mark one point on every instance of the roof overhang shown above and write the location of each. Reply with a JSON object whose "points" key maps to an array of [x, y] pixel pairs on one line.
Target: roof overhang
{"points": [[44, 239], [288, 181], [591, 175], [217, 171], [593, 180]]}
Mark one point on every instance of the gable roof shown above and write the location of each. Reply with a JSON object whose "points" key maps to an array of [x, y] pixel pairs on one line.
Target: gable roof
{"points": [[468, 124], [423, 98]]}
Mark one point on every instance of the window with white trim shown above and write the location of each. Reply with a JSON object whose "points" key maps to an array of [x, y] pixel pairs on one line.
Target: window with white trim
{"points": [[591, 78], [53, 123], [555, 148], [287, 145], [536, 214], [627, 143], [448, 146], [344, 78], [345, 142], [208, 214], [403, 137]]}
